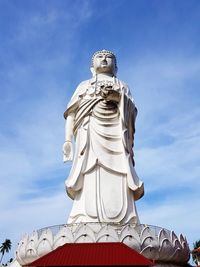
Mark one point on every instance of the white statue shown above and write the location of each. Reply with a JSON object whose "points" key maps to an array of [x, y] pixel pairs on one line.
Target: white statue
{"points": [[101, 116]]}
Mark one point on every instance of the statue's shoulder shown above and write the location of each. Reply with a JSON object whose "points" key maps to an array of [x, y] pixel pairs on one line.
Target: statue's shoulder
{"points": [[122, 83], [81, 88], [126, 90], [124, 87], [83, 84]]}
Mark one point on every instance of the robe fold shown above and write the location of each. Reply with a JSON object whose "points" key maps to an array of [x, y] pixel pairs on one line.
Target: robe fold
{"points": [[102, 180]]}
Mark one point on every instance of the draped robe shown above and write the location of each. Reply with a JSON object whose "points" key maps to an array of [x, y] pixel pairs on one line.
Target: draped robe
{"points": [[102, 181]]}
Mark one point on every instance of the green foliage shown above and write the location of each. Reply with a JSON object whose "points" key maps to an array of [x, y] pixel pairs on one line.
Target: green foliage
{"points": [[5, 247], [196, 245]]}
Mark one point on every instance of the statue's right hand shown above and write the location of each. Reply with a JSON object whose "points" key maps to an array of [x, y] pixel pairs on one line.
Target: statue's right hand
{"points": [[67, 151]]}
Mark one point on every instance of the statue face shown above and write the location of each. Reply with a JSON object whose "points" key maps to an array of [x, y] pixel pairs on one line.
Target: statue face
{"points": [[104, 63]]}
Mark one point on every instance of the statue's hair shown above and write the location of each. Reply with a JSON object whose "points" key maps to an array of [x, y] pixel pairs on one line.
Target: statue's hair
{"points": [[103, 52]]}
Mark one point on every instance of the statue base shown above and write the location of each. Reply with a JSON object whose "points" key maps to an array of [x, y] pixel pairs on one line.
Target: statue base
{"points": [[161, 245]]}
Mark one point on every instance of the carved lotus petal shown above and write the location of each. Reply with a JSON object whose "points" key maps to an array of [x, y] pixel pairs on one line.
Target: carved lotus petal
{"points": [[150, 252], [84, 238], [181, 254], [31, 255], [148, 238], [21, 249], [173, 237], [46, 235], [176, 256], [185, 252], [21, 260], [146, 232], [177, 244], [31, 248], [30, 251], [84, 234], [34, 237], [63, 236], [107, 234], [45, 243], [23, 244], [165, 250], [128, 230], [31, 245], [64, 231], [43, 248], [130, 237], [24, 240], [182, 239], [162, 235]]}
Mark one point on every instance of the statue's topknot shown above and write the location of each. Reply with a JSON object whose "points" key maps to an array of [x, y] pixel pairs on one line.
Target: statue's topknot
{"points": [[103, 52]]}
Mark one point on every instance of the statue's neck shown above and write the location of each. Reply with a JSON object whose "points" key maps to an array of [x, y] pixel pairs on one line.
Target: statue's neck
{"points": [[104, 76]]}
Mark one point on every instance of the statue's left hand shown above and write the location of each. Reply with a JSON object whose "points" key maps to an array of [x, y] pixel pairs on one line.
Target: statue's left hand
{"points": [[67, 151], [109, 94], [113, 96]]}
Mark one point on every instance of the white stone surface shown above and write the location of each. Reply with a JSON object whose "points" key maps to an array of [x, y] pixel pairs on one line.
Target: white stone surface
{"points": [[153, 242], [14, 263], [101, 117]]}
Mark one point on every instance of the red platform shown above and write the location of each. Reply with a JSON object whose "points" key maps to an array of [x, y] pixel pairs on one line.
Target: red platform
{"points": [[93, 254]]}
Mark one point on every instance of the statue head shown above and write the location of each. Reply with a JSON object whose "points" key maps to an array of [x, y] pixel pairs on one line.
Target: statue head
{"points": [[104, 61]]}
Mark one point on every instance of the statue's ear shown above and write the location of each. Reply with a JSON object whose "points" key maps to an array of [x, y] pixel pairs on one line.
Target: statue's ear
{"points": [[93, 72]]}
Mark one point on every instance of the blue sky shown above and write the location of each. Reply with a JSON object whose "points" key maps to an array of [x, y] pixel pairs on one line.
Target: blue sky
{"points": [[45, 51]]}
